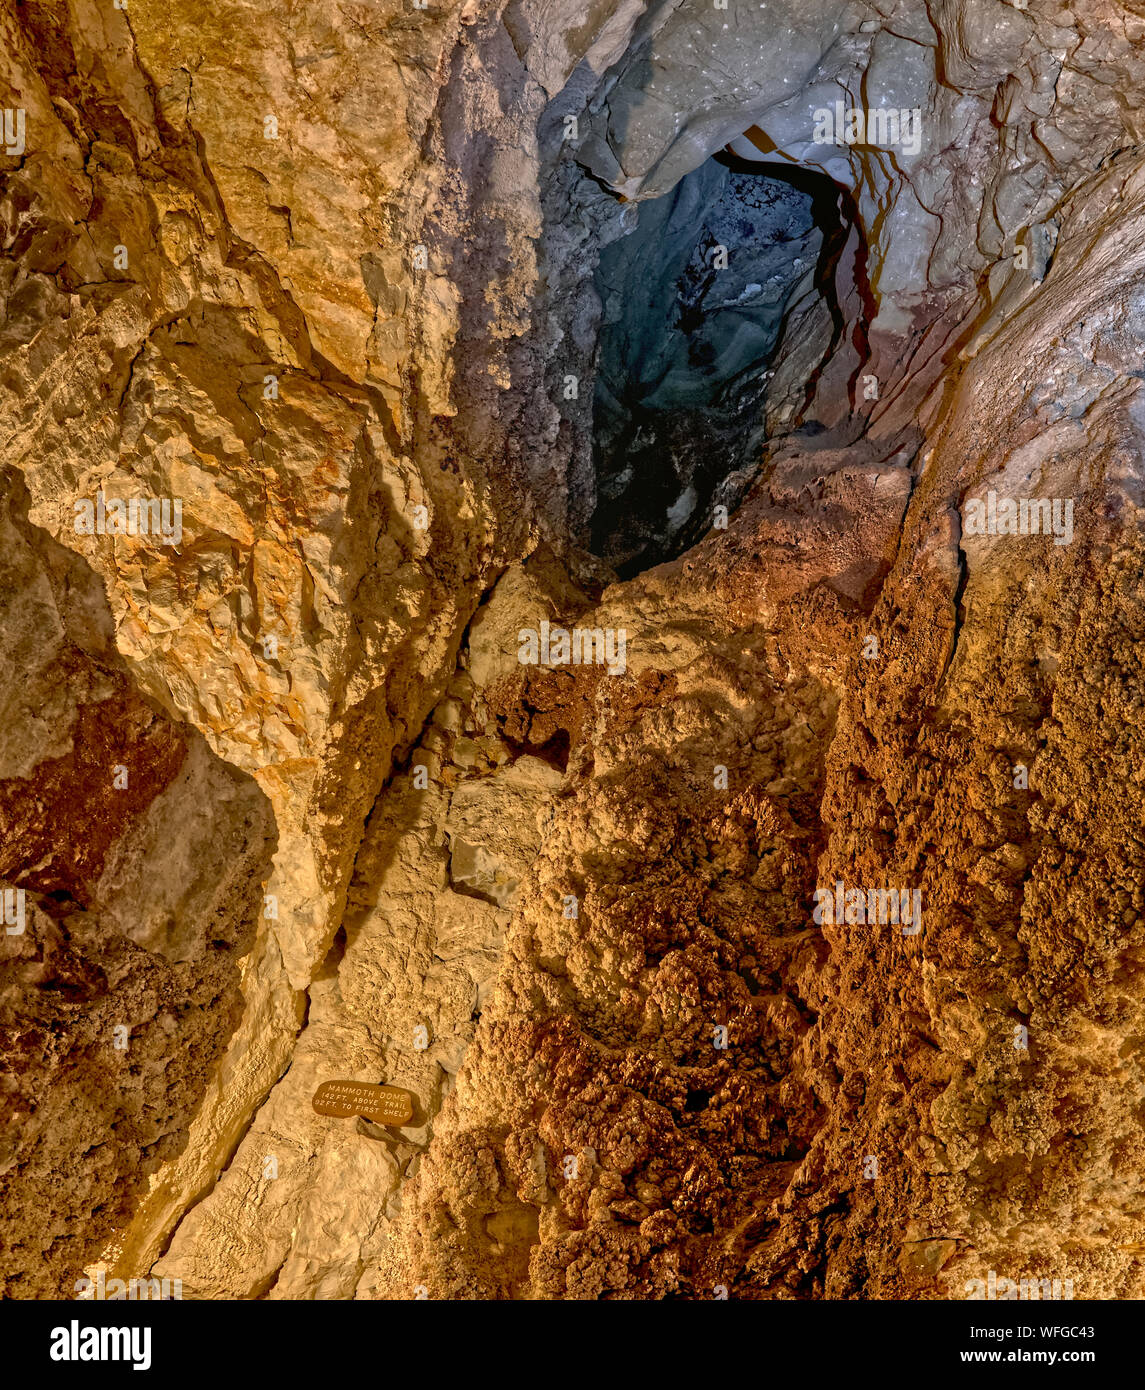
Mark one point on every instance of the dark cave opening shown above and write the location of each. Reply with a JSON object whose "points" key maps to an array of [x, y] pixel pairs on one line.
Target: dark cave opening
{"points": [[695, 303]]}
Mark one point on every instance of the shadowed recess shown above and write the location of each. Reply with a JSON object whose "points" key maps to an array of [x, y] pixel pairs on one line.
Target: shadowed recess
{"points": [[695, 300]]}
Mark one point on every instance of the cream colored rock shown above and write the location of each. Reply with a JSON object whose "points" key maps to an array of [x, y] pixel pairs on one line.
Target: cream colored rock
{"points": [[395, 1004], [524, 596], [494, 828]]}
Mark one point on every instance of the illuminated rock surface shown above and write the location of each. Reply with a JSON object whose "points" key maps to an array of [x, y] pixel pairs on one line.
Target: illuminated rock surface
{"points": [[353, 822]]}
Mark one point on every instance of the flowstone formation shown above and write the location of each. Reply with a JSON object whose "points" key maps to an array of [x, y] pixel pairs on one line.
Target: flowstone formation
{"points": [[585, 569]]}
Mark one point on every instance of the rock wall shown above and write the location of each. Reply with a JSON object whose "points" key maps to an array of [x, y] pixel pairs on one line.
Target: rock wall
{"points": [[317, 275], [196, 311], [137, 859]]}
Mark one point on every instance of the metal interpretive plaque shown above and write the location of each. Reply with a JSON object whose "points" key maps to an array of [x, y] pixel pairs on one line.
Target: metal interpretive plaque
{"points": [[385, 1105]]}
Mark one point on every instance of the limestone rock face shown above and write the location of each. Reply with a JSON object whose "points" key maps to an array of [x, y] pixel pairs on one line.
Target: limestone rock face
{"points": [[183, 322], [131, 862], [319, 300], [492, 828]]}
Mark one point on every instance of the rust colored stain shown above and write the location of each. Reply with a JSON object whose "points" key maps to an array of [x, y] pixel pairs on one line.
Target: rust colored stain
{"points": [[67, 821]]}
